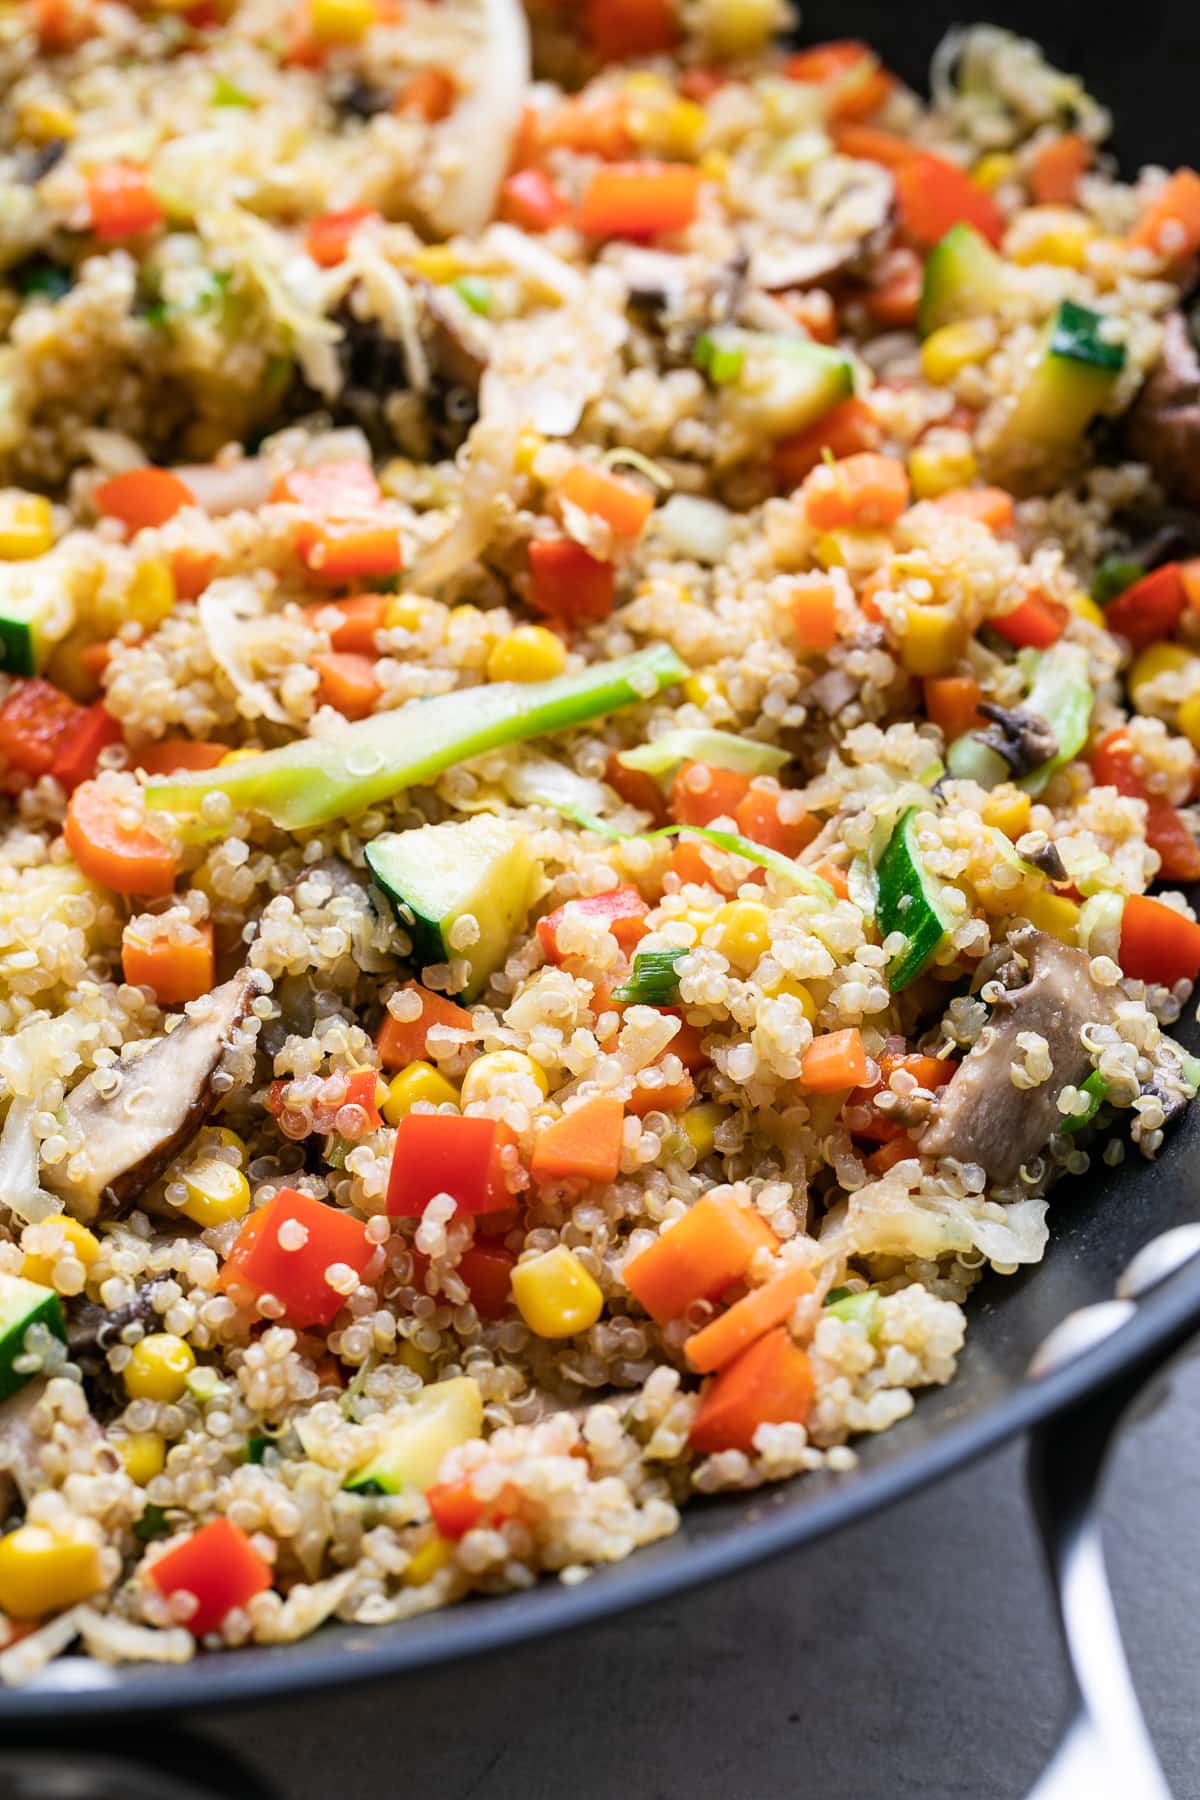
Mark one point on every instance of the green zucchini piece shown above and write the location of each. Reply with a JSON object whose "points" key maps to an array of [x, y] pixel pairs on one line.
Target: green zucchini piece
{"points": [[911, 901], [22, 1304], [964, 279], [1070, 383], [780, 384], [435, 875], [721, 749], [1062, 693], [855, 1307], [442, 1417]]}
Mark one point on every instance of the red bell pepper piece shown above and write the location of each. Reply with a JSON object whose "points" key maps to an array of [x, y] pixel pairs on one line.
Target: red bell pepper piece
{"points": [[1034, 625], [932, 195], [219, 1566], [566, 582], [1151, 608], [1157, 943], [622, 909], [121, 201], [1166, 832], [487, 1270], [530, 199], [35, 722], [329, 236], [437, 1153], [259, 1262], [93, 731]]}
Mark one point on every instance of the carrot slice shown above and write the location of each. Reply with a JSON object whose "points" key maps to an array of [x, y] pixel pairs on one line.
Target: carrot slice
{"points": [[329, 236], [814, 615], [697, 800], [143, 497], [351, 623], [771, 1383], [1056, 168], [866, 489], [171, 754], [748, 1318], [895, 295], [639, 199], [402, 1041], [121, 202], [758, 818], [933, 195], [1157, 943], [952, 701], [837, 1060], [177, 970], [348, 682], [584, 1144], [836, 877], [429, 96], [119, 853], [697, 1259], [991, 506], [849, 427], [670, 1098], [622, 505], [868, 143], [1170, 225]]}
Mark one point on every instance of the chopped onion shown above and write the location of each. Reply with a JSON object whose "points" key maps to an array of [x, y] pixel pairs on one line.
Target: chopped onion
{"points": [[540, 780], [226, 610], [19, 1189], [241, 486], [530, 258], [483, 129], [700, 529]]}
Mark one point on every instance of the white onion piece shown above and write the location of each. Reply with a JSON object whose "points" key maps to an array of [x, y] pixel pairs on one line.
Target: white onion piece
{"points": [[241, 486], [540, 780], [483, 129], [226, 611], [700, 529], [19, 1189]]}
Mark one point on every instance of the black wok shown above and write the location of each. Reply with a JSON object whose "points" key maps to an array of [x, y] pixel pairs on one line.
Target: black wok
{"points": [[1143, 66]]}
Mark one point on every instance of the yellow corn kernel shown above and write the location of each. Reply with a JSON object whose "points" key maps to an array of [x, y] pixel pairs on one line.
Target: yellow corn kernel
{"points": [[529, 444], [555, 1295], [700, 689], [992, 169], [158, 1367], [417, 1360], [1050, 234], [796, 990], [733, 29], [1153, 661], [407, 612], [425, 1563], [216, 1192], [934, 468], [42, 1571], [955, 347], [340, 21], [499, 1069], [67, 669], [437, 262], [1084, 607], [714, 165], [69, 1233], [44, 117], [420, 1081], [673, 130], [530, 653], [1008, 809], [143, 1453], [1188, 720], [933, 640], [26, 525], [856, 549], [1055, 914], [237, 756], [151, 596], [700, 1125], [742, 932]]}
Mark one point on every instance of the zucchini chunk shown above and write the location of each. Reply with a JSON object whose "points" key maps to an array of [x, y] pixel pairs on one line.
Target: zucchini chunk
{"points": [[22, 1304], [912, 901], [964, 279], [442, 1417]]}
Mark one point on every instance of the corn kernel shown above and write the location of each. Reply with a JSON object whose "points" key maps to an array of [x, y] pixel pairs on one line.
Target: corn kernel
{"points": [[733, 29], [555, 1295], [1188, 720], [742, 932], [499, 1069], [1008, 809], [700, 1125], [530, 653], [67, 669], [1050, 234], [703, 688], [44, 117], [856, 549], [237, 756], [956, 347], [143, 1454], [407, 612], [158, 1367], [420, 1081], [70, 1233], [425, 1563], [673, 130], [933, 639], [1054, 914], [151, 596], [340, 21], [42, 1571], [936, 467], [1153, 661], [1084, 607], [529, 445], [216, 1192], [416, 1360], [796, 990], [438, 263], [26, 525], [714, 165], [992, 169]]}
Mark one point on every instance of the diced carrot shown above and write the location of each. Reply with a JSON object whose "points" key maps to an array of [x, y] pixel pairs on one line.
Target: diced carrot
{"points": [[192, 570], [584, 1144], [814, 311], [403, 1041], [837, 1060], [687, 1044], [566, 582], [121, 202], [329, 235], [672, 1097], [351, 623], [35, 721], [898, 1149], [348, 682], [619, 30], [530, 199], [177, 970], [860, 87], [63, 24], [339, 550], [868, 143], [124, 856], [687, 862], [700, 83], [1056, 167], [455, 1507], [1151, 608], [1170, 225], [429, 96], [847, 428], [952, 702], [621, 909], [144, 497], [866, 489], [590, 125], [814, 615], [868, 599], [96, 658], [836, 877], [1157, 943], [757, 1312], [709, 1249], [93, 731], [701, 793], [1037, 623], [895, 294], [636, 788], [639, 199], [758, 818], [770, 1383], [1166, 833], [991, 506], [932, 195], [169, 755], [930, 1072], [622, 504]]}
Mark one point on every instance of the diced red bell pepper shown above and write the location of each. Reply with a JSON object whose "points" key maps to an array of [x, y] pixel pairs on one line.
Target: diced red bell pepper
{"points": [[122, 202], [1157, 943], [334, 490], [36, 721], [329, 236], [1151, 608], [487, 1270], [566, 582], [455, 1507], [1034, 625], [1166, 832], [296, 1277], [219, 1566], [84, 739], [932, 195], [619, 30], [622, 909], [437, 1153], [530, 199]]}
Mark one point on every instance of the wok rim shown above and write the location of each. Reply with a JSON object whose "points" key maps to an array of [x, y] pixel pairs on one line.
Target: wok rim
{"points": [[1161, 1324]]}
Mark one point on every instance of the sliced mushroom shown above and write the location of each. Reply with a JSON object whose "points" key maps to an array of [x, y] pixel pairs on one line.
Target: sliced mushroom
{"points": [[167, 1091], [92, 1331], [1048, 858], [1023, 738], [652, 278], [779, 267], [1163, 425], [458, 348], [982, 1116]]}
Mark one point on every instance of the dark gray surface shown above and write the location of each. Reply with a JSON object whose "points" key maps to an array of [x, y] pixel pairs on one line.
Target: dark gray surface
{"points": [[913, 1656]]}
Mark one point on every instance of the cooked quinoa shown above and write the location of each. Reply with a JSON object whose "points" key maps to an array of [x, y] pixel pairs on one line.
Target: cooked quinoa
{"points": [[595, 675]]}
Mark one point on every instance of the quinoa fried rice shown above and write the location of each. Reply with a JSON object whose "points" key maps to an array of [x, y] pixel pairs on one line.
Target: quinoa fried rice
{"points": [[594, 686]]}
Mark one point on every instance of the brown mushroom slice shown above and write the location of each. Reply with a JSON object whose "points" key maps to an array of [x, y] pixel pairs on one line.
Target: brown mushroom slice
{"points": [[1163, 426], [166, 1093], [982, 1116]]}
